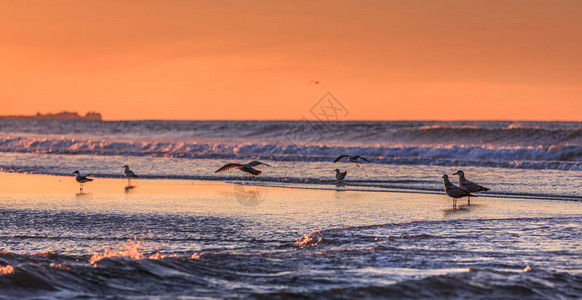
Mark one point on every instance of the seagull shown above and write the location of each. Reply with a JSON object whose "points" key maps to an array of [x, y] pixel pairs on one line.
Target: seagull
{"points": [[454, 191], [355, 159], [245, 168], [82, 179], [129, 174], [340, 176], [469, 185]]}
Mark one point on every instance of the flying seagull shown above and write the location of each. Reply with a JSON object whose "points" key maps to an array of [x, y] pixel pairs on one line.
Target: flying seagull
{"points": [[82, 179], [340, 176], [129, 174], [352, 158], [249, 168], [454, 191], [469, 185]]}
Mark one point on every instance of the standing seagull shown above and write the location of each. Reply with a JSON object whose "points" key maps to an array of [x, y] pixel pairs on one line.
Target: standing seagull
{"points": [[245, 168], [469, 185], [340, 176], [82, 179], [454, 191], [352, 158], [129, 174]]}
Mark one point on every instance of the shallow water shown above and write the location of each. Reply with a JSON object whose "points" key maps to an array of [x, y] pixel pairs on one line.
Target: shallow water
{"points": [[544, 184], [172, 238]]}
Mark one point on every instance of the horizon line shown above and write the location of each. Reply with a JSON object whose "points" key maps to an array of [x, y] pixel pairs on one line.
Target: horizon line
{"points": [[354, 120]]}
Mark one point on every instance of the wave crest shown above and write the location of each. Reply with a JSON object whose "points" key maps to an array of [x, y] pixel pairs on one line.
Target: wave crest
{"points": [[552, 157]]}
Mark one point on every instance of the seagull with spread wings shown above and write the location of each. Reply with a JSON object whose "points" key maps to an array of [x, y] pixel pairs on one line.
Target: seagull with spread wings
{"points": [[352, 158], [249, 168]]}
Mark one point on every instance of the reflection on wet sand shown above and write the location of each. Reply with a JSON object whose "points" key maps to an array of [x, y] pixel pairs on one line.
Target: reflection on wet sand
{"points": [[461, 209], [129, 188], [250, 196], [344, 195]]}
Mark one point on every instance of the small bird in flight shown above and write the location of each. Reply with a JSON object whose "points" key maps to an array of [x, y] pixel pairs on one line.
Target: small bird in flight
{"points": [[82, 179], [129, 174], [469, 185], [352, 158], [249, 168], [454, 191]]}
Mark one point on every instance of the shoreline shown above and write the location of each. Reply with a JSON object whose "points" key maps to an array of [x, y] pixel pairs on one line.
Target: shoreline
{"points": [[313, 186], [32, 191]]}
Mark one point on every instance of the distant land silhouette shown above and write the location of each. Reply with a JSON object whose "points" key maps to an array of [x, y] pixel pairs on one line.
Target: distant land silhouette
{"points": [[64, 115]]}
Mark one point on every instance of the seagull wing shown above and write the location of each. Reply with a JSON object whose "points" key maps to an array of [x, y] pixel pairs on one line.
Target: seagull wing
{"points": [[365, 159], [130, 173], [473, 187], [340, 157], [228, 167], [458, 192], [85, 176], [253, 171], [255, 163]]}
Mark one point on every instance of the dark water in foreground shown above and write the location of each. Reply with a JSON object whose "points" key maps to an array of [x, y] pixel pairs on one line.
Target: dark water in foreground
{"points": [[256, 242], [461, 258]]}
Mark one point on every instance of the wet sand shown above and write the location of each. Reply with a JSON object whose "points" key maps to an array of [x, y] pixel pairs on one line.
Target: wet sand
{"points": [[310, 206]]}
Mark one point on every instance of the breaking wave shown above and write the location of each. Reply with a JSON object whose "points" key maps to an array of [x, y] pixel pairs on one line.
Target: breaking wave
{"points": [[412, 260], [370, 133], [540, 157]]}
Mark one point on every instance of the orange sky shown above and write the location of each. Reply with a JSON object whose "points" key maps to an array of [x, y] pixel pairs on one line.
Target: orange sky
{"points": [[384, 60]]}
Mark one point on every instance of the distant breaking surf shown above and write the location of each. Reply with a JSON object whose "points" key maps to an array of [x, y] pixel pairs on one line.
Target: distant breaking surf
{"points": [[540, 157]]}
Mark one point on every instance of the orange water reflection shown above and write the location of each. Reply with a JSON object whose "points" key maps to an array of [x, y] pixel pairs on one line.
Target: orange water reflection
{"points": [[299, 206]]}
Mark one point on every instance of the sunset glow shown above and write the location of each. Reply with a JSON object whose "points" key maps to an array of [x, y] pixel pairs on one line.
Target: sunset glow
{"points": [[384, 60]]}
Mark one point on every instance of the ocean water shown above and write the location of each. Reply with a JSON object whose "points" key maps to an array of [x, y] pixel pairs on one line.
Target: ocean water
{"points": [[389, 232], [518, 159]]}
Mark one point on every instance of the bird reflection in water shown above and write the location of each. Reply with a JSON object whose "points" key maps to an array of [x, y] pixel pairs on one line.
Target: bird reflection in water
{"points": [[461, 209], [129, 188], [82, 194], [250, 196]]}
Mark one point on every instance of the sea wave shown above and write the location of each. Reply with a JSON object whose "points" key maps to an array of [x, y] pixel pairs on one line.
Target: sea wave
{"points": [[408, 133], [554, 157], [462, 258], [462, 285]]}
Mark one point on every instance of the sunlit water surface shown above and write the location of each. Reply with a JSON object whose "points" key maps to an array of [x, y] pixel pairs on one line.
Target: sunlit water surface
{"points": [[199, 238]]}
